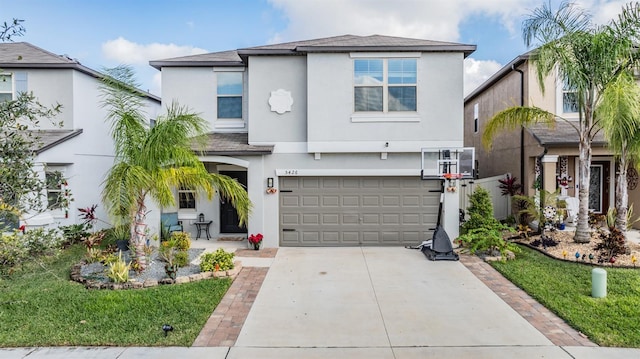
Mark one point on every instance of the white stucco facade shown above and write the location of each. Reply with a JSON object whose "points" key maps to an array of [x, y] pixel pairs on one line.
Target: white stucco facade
{"points": [[84, 153], [319, 135]]}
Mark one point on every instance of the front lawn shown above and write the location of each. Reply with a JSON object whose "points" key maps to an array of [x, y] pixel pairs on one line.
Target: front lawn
{"points": [[40, 306], [565, 288]]}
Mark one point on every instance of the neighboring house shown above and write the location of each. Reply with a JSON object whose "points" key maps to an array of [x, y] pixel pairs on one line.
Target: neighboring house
{"points": [[538, 156], [327, 135], [79, 153]]}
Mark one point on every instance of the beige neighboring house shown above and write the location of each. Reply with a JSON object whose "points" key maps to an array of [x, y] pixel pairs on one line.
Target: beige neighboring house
{"points": [[537, 155]]}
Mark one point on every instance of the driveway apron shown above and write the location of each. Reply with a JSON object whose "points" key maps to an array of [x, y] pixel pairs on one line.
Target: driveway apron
{"points": [[378, 297]]}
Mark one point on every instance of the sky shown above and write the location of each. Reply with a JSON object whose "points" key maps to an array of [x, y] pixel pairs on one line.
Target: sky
{"points": [[106, 33]]}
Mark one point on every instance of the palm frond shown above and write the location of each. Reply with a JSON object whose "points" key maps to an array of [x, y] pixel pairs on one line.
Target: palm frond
{"points": [[544, 25], [124, 106], [123, 185], [513, 118], [619, 112]]}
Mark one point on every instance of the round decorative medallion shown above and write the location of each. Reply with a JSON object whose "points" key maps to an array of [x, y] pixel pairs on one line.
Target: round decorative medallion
{"points": [[632, 178], [549, 212], [280, 101]]}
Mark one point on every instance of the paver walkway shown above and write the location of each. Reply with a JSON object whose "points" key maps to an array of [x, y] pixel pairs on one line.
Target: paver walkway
{"points": [[224, 325]]}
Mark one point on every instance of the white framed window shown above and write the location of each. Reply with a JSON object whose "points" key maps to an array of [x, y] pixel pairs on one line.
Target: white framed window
{"points": [[230, 89], [569, 98], [186, 198], [385, 85], [476, 112], [6, 87], [54, 181]]}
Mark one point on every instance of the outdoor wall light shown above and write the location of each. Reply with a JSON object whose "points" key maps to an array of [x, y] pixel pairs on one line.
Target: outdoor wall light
{"points": [[270, 182]]}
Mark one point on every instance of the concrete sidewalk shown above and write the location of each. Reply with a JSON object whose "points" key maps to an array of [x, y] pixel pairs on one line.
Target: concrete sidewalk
{"points": [[367, 303]]}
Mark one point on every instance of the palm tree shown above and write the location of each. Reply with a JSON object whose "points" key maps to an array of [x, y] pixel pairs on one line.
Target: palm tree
{"points": [[588, 58], [151, 161], [620, 114]]}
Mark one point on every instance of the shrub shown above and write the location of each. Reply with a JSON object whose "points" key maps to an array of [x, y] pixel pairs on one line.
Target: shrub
{"points": [[480, 211], [74, 233], [181, 258], [118, 271], [41, 241], [181, 241], [218, 260], [12, 252], [482, 232], [93, 255]]}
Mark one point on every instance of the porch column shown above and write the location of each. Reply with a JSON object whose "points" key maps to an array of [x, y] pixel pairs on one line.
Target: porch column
{"points": [[549, 164]]}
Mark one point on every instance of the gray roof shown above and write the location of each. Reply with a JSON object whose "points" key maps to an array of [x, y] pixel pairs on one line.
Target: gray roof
{"points": [[344, 43], [25, 55], [230, 144], [51, 138], [562, 134]]}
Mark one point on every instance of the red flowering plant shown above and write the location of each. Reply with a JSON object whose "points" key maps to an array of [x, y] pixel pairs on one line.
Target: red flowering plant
{"points": [[255, 240]]}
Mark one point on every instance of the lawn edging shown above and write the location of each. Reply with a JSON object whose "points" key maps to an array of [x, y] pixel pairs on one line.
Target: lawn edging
{"points": [[149, 283]]}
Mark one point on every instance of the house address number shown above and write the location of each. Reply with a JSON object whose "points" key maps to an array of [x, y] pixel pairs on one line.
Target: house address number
{"points": [[290, 172]]}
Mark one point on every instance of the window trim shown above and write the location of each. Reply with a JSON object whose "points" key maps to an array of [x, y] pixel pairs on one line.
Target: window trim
{"points": [[241, 96], [193, 194], [560, 92], [12, 78], [385, 85]]}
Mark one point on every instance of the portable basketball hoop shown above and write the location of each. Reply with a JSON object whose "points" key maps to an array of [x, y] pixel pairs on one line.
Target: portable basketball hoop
{"points": [[447, 165]]}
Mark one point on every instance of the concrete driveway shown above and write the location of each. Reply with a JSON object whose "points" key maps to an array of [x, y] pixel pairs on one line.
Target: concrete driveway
{"points": [[386, 300]]}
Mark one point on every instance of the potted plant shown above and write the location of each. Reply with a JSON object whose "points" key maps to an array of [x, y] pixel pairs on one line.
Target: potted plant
{"points": [[168, 255], [255, 240]]}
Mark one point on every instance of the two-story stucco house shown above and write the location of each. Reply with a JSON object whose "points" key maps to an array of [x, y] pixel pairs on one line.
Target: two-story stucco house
{"points": [[538, 156], [81, 150], [327, 135]]}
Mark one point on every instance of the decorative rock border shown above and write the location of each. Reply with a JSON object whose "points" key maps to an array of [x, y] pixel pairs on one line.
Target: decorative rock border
{"points": [[95, 284]]}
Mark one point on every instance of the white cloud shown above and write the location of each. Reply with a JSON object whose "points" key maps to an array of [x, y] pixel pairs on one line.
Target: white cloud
{"points": [[435, 20], [128, 52], [478, 71]]}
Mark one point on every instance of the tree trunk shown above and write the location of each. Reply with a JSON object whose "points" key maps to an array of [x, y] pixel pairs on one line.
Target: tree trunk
{"points": [[583, 232], [622, 198], [139, 235]]}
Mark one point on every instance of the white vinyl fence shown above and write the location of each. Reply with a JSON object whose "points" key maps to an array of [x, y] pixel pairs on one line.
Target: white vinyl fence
{"points": [[501, 204]]}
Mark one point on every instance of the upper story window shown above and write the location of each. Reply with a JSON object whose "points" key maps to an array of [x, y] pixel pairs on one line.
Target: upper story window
{"points": [[6, 87], [569, 98], [186, 198], [229, 94], [385, 85]]}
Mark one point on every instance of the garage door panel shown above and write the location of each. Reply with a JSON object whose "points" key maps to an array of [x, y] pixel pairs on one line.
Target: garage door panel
{"points": [[348, 211], [410, 201], [350, 218], [350, 201], [290, 219], [290, 201], [391, 201], [330, 201], [331, 219], [411, 218], [370, 201], [311, 201], [370, 218]]}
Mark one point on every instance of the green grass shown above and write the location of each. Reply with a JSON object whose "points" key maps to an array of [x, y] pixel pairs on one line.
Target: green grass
{"points": [[565, 288], [40, 306]]}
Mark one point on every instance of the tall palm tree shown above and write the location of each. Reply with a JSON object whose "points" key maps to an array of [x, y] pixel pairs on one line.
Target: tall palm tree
{"points": [[620, 114], [151, 161], [587, 57]]}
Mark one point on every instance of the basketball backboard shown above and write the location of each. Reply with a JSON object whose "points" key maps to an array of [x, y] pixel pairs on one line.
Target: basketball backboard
{"points": [[440, 161]]}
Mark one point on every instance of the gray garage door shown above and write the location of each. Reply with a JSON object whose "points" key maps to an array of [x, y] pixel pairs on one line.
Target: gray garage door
{"points": [[354, 211]]}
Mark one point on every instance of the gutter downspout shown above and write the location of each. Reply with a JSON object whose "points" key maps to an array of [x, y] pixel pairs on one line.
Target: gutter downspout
{"points": [[514, 68]]}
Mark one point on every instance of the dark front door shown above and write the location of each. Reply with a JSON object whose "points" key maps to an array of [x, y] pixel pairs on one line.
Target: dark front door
{"points": [[229, 221], [599, 187]]}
